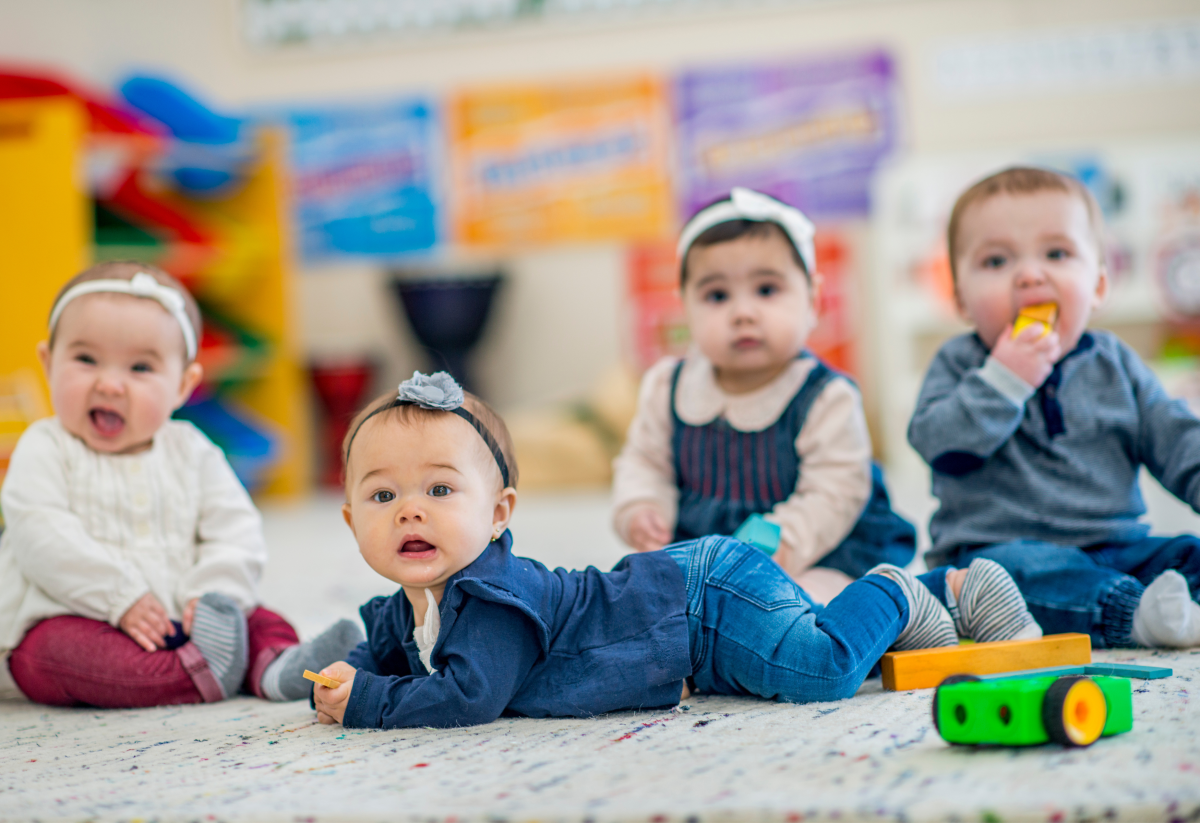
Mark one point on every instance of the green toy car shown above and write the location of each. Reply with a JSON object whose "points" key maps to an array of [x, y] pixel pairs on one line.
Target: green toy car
{"points": [[1072, 710]]}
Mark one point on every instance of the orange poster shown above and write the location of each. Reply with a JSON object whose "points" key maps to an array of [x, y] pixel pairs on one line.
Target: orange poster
{"points": [[577, 162]]}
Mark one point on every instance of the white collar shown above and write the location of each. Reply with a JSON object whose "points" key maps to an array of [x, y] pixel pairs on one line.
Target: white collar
{"points": [[699, 400], [426, 634]]}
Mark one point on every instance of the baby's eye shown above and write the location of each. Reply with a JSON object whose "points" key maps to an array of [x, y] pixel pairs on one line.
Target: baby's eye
{"points": [[85, 358], [1057, 254], [142, 367], [767, 289], [440, 490], [994, 261], [716, 296], [383, 496]]}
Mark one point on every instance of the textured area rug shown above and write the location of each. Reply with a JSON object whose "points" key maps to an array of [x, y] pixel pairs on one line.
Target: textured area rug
{"points": [[872, 757]]}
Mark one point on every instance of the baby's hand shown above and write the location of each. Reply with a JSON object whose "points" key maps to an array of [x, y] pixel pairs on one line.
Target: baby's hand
{"points": [[1029, 355], [331, 703], [147, 623], [648, 530], [189, 614]]}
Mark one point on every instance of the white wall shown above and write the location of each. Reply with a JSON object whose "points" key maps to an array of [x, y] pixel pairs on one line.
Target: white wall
{"points": [[557, 325]]}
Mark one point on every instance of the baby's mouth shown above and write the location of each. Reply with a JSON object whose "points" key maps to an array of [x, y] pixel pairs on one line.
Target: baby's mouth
{"points": [[107, 423], [743, 343], [417, 548]]}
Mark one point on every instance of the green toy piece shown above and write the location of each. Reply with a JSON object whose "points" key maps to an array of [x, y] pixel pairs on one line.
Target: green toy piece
{"points": [[759, 533], [1128, 670], [1090, 669], [1074, 710]]}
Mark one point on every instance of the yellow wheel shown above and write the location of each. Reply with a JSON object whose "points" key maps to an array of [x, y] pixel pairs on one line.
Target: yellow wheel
{"points": [[1074, 711]]}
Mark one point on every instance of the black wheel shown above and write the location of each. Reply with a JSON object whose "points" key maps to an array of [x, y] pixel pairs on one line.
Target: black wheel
{"points": [[1074, 711], [949, 681]]}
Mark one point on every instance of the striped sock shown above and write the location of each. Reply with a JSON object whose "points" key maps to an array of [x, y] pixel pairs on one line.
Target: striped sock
{"points": [[284, 677], [990, 606], [219, 631], [929, 624]]}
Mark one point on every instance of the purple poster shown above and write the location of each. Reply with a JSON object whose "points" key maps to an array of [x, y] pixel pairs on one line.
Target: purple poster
{"points": [[808, 132]]}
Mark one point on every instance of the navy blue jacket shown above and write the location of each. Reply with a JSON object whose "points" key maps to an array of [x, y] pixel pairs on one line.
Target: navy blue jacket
{"points": [[519, 639]]}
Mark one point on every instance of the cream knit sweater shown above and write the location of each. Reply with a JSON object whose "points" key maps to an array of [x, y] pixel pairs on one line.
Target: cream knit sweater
{"points": [[90, 533]]}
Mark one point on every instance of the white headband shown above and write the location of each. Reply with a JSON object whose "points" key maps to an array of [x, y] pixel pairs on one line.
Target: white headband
{"points": [[747, 204], [140, 285]]}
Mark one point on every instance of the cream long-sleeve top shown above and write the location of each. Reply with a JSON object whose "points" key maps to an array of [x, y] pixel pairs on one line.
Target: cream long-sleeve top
{"points": [[833, 445], [89, 534]]}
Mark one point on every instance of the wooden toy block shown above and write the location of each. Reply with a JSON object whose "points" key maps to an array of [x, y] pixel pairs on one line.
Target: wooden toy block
{"points": [[327, 682], [926, 668], [1044, 313]]}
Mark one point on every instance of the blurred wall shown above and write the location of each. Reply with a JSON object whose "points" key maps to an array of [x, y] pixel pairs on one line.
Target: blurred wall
{"points": [[558, 323]]}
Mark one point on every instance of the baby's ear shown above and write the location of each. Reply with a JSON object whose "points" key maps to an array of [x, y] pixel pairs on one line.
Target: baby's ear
{"points": [[502, 514], [43, 356], [192, 375], [346, 516], [1101, 287]]}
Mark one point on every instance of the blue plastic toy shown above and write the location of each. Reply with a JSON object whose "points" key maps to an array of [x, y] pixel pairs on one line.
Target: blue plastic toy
{"points": [[759, 533], [211, 150]]}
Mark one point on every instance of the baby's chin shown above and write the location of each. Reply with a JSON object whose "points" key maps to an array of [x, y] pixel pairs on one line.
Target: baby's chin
{"points": [[110, 445]]}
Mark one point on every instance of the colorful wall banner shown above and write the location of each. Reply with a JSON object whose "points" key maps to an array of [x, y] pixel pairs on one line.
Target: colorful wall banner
{"points": [[549, 164], [363, 178], [809, 133]]}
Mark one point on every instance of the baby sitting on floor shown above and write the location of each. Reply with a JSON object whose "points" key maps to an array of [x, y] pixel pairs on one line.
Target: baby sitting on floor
{"points": [[130, 564], [476, 632]]}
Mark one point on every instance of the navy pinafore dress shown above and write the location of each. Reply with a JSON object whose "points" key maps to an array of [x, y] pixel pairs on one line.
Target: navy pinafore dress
{"points": [[725, 475]]}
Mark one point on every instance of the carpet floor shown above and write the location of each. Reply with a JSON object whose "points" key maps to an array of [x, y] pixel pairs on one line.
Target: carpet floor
{"points": [[873, 757]]}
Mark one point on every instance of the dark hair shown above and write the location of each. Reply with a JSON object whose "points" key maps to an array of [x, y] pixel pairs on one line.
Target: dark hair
{"points": [[1021, 180], [732, 230], [410, 413]]}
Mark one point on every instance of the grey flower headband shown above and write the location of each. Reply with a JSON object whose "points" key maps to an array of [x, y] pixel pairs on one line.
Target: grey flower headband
{"points": [[441, 392]]}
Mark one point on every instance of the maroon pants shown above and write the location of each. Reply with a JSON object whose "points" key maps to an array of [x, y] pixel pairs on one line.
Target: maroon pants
{"points": [[69, 661]]}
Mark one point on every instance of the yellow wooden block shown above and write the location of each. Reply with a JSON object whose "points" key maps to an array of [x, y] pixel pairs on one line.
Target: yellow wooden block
{"points": [[327, 682], [1044, 313], [925, 668]]}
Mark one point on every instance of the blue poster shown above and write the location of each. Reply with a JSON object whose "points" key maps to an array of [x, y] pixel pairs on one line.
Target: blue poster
{"points": [[364, 178]]}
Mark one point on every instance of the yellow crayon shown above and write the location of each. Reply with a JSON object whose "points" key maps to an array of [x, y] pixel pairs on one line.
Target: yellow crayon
{"points": [[327, 682]]}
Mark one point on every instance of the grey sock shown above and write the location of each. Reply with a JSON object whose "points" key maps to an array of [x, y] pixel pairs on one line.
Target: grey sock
{"points": [[990, 606], [284, 680], [1166, 616], [929, 624], [219, 631]]}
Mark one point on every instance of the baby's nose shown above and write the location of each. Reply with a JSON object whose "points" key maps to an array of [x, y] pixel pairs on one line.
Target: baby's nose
{"points": [[1029, 272], [110, 383], [409, 512]]}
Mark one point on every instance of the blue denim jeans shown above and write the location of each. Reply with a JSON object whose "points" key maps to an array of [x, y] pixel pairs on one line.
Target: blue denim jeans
{"points": [[1095, 589], [753, 631]]}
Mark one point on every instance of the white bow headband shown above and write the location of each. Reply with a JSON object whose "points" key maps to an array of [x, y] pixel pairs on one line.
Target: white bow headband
{"points": [[140, 285], [747, 204]]}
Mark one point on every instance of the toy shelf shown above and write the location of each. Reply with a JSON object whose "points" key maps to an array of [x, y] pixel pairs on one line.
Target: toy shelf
{"points": [[45, 232], [242, 280]]}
